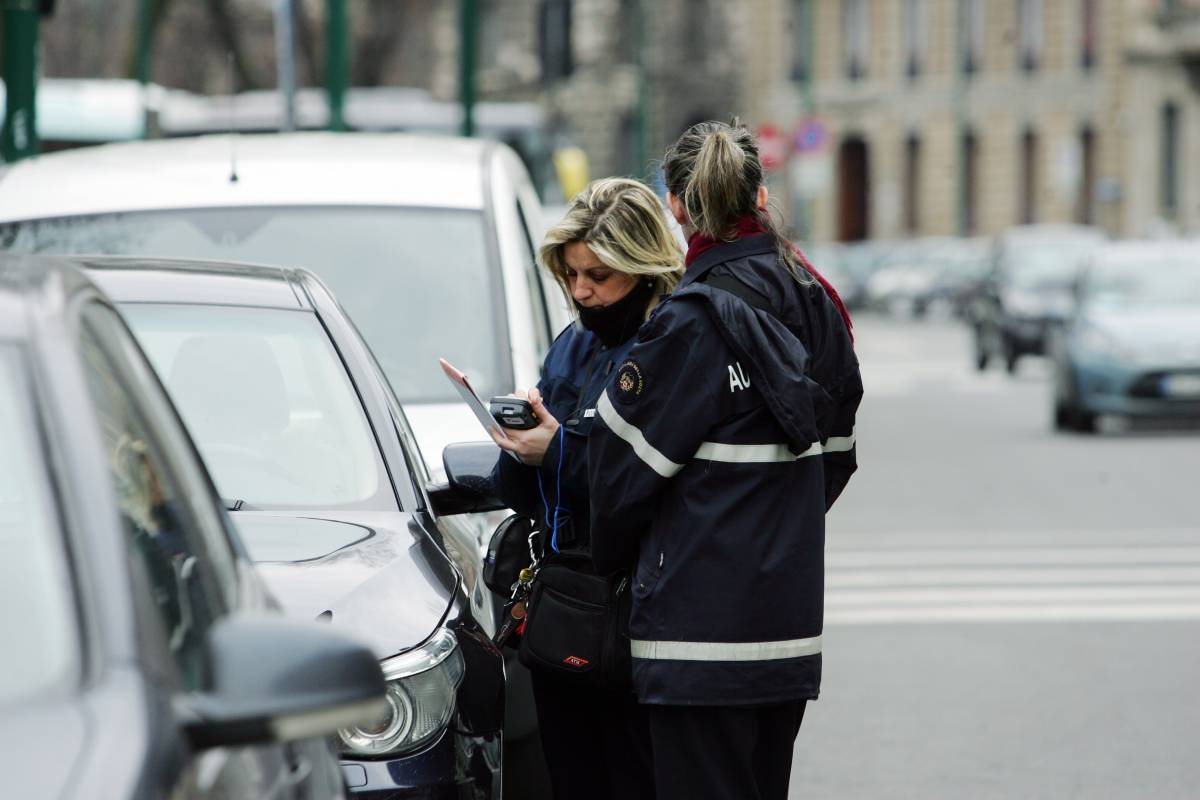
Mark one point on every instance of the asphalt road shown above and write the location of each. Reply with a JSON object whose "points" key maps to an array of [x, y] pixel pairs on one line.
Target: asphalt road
{"points": [[1010, 612]]}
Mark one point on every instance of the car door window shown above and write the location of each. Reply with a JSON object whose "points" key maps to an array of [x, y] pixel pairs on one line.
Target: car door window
{"points": [[173, 529], [537, 298]]}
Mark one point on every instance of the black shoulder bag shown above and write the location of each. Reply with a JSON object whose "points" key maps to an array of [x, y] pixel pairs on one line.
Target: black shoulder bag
{"points": [[577, 622]]}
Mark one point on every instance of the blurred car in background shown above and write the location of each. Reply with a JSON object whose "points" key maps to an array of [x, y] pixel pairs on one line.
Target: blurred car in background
{"points": [[316, 465], [826, 258], [428, 242], [1133, 346], [859, 260], [1029, 290], [144, 656], [933, 275]]}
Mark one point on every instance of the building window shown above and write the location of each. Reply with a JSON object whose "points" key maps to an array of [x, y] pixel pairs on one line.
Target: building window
{"points": [[555, 35], [1029, 176], [1087, 34], [969, 188], [801, 39], [1085, 204], [912, 184], [854, 37], [970, 35], [1169, 179], [915, 43], [1029, 33]]}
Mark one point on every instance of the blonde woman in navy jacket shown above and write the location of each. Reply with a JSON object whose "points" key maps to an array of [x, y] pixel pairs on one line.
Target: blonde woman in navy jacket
{"points": [[723, 438], [615, 258]]}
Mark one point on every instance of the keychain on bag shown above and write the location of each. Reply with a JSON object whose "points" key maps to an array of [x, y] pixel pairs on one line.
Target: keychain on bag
{"points": [[514, 610]]}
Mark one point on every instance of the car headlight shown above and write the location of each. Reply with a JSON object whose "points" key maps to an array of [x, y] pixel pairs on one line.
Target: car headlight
{"points": [[420, 699]]}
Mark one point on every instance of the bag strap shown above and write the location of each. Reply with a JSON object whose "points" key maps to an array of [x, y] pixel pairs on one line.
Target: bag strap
{"points": [[749, 296]]}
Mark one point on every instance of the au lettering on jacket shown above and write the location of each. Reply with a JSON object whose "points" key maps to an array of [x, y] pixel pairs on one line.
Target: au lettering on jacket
{"points": [[738, 379]]}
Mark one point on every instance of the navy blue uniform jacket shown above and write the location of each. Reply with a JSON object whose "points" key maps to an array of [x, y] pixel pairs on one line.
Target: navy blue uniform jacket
{"points": [[574, 373], [722, 440]]}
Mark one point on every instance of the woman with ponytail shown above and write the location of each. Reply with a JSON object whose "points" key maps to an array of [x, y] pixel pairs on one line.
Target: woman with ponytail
{"points": [[724, 437]]}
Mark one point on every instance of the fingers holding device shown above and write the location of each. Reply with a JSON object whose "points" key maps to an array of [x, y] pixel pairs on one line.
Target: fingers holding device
{"points": [[514, 412], [536, 426]]}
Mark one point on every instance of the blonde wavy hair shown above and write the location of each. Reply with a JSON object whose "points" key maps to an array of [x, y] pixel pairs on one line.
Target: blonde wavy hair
{"points": [[625, 225]]}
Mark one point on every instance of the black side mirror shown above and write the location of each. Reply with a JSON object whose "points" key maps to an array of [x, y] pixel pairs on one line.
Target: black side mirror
{"points": [[468, 473], [275, 679]]}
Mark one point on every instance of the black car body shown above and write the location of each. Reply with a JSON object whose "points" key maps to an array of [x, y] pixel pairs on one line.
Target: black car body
{"points": [[143, 654], [1028, 294], [317, 464]]}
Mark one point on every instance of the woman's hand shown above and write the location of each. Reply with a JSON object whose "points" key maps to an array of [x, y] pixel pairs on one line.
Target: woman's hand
{"points": [[530, 445]]}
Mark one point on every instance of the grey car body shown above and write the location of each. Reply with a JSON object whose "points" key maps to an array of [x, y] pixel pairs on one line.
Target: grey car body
{"points": [[120, 567], [1132, 347], [387, 567]]}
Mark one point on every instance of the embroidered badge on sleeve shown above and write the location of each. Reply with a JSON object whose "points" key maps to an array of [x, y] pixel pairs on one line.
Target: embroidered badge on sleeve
{"points": [[630, 382]]}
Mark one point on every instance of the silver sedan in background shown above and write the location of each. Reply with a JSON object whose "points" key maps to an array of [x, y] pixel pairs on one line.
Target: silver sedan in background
{"points": [[1133, 346]]}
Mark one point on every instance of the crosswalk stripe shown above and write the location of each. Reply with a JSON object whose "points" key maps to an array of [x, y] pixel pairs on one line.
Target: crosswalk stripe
{"points": [[1065, 575], [974, 595], [1033, 613], [1021, 576], [1016, 556]]}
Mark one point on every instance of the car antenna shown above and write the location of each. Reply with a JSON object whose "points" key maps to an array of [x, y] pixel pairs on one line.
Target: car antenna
{"points": [[233, 175]]}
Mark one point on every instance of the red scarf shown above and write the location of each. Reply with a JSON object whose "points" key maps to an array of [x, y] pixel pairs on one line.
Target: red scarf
{"points": [[750, 225]]}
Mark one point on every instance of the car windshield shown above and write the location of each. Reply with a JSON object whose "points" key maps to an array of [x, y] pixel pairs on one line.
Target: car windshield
{"points": [[1046, 264], [269, 403], [1145, 283], [38, 625], [417, 282]]}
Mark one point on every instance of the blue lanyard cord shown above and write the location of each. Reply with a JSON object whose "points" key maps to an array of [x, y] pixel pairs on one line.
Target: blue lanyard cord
{"points": [[561, 515]]}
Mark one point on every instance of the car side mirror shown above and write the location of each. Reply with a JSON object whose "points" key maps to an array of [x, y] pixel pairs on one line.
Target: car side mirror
{"points": [[275, 679], [468, 487]]}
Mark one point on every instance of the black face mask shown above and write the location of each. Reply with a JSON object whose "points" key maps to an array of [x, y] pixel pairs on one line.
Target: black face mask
{"points": [[617, 322]]}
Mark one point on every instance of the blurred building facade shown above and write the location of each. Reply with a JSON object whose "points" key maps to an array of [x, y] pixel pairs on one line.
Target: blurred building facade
{"points": [[619, 78], [883, 118], [928, 117], [886, 118]]}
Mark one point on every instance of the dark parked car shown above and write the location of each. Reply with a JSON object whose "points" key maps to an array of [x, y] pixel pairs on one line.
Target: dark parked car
{"points": [[317, 465], [1028, 294], [1132, 348], [143, 656]]}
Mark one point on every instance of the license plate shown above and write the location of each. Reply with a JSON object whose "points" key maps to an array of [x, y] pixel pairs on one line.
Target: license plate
{"points": [[1181, 386]]}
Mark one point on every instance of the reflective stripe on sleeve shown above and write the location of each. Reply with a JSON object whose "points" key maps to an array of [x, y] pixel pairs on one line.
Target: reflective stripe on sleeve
{"points": [[644, 450], [840, 444], [725, 651]]}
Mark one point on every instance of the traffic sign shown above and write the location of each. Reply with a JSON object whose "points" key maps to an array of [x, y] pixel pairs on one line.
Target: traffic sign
{"points": [[810, 136], [772, 148]]}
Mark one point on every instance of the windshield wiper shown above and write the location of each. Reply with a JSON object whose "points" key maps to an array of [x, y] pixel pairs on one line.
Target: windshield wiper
{"points": [[233, 505]]}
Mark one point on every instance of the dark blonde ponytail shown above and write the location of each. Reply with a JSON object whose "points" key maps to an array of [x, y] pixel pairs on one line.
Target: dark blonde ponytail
{"points": [[714, 195], [715, 170]]}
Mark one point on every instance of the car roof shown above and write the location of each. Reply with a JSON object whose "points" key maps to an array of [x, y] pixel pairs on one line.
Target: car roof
{"points": [[326, 169], [165, 280], [1022, 233], [1126, 251]]}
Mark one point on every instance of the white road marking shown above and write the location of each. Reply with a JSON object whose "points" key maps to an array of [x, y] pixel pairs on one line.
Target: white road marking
{"points": [[1022, 576], [1012, 576], [1078, 555], [1055, 613]]}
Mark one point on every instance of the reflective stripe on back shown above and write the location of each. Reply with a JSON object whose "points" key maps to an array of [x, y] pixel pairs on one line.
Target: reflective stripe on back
{"points": [[725, 651]]}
